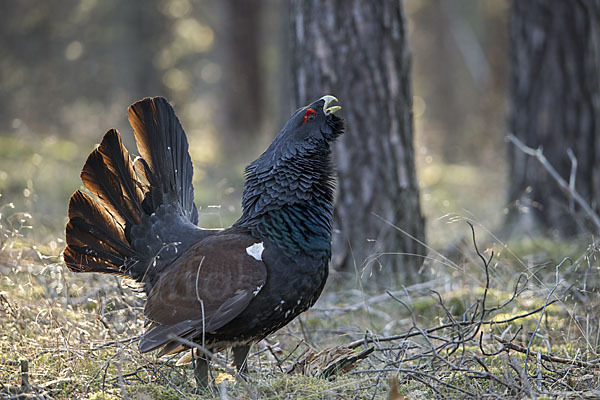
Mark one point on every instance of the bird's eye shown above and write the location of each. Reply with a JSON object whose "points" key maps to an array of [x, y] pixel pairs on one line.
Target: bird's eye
{"points": [[309, 115]]}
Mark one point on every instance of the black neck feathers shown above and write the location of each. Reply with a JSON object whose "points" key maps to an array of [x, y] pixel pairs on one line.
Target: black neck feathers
{"points": [[289, 199]]}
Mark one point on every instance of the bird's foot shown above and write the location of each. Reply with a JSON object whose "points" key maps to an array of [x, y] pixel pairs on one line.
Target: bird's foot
{"points": [[201, 368], [240, 357]]}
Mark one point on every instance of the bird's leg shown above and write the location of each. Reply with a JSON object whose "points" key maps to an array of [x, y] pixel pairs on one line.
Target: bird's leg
{"points": [[240, 354], [200, 362]]}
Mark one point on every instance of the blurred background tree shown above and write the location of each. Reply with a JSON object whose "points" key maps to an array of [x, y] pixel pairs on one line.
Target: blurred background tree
{"points": [[70, 68], [243, 91], [358, 51], [554, 104]]}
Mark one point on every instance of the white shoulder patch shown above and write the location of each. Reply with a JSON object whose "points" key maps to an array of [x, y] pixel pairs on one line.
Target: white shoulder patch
{"points": [[255, 251]]}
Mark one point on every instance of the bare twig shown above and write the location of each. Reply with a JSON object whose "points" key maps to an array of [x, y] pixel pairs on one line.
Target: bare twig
{"points": [[114, 342], [546, 357], [572, 177], [539, 155], [373, 339], [533, 335], [421, 374]]}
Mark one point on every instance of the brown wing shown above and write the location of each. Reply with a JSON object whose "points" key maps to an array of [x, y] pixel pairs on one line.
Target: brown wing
{"points": [[209, 285]]}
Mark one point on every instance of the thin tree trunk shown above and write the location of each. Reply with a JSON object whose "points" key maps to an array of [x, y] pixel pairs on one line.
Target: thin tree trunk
{"points": [[555, 104], [356, 50]]}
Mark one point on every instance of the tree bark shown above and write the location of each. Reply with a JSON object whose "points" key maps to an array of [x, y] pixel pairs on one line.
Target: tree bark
{"points": [[555, 104], [356, 50]]}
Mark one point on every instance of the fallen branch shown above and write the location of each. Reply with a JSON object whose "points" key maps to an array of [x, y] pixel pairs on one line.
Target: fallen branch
{"points": [[546, 357]]}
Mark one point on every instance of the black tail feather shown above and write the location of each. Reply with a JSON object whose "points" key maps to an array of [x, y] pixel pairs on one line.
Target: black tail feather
{"points": [[119, 163], [108, 173], [169, 173], [95, 241], [138, 206], [97, 234]]}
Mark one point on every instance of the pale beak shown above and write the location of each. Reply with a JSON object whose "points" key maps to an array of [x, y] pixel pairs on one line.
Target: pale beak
{"points": [[328, 100]]}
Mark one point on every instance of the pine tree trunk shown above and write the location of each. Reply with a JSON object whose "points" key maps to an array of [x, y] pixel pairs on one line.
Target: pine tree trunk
{"points": [[555, 104], [356, 50]]}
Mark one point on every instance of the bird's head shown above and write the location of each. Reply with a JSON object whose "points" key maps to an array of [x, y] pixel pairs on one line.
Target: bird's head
{"points": [[297, 166], [316, 121], [311, 128]]}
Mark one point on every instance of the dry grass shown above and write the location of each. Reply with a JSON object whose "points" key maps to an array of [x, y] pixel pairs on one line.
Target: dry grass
{"points": [[521, 324]]}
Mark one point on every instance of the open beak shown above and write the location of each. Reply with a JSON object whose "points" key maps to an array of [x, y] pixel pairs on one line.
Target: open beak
{"points": [[328, 100]]}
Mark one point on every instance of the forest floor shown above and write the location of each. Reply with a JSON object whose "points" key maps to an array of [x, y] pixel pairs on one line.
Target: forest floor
{"points": [[516, 319], [504, 321]]}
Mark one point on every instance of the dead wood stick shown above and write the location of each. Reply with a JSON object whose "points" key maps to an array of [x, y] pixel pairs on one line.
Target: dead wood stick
{"points": [[569, 189], [545, 357]]}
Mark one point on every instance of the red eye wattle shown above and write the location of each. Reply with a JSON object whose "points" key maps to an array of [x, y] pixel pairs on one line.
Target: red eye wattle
{"points": [[309, 115]]}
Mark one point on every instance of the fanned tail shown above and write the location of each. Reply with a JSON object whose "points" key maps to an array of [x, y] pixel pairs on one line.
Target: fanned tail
{"points": [[142, 213], [165, 161]]}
